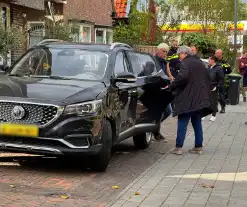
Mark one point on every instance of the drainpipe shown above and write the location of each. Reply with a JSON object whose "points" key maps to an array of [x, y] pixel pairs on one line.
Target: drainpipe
{"points": [[113, 12], [51, 10], [235, 32]]}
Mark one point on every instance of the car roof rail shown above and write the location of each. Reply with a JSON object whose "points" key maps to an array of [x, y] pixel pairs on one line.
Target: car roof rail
{"points": [[119, 44], [47, 41]]}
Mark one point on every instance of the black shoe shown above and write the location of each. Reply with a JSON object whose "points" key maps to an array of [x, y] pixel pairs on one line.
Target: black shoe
{"points": [[223, 110], [160, 137], [244, 99], [227, 102]]}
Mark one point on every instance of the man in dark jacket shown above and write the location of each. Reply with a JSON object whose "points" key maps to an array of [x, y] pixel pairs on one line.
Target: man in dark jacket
{"points": [[161, 56], [227, 70], [193, 98], [217, 78]]}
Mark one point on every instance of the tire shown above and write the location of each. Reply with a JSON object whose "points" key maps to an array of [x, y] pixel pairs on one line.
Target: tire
{"points": [[100, 161], [143, 141]]}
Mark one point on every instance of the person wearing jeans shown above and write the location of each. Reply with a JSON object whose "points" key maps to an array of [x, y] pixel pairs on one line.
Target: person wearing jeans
{"points": [[193, 98], [183, 121]]}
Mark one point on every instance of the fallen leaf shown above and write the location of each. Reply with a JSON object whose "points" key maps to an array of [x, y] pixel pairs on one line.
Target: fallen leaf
{"points": [[115, 187], [64, 196], [12, 186], [207, 186], [137, 193]]}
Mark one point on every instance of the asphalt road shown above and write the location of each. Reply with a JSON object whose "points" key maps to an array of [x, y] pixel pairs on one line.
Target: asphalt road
{"points": [[52, 182]]}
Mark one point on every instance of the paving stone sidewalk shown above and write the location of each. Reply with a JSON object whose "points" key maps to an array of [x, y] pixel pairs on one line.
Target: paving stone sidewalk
{"points": [[216, 178]]}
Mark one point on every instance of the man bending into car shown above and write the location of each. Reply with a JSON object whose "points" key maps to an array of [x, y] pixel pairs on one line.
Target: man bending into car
{"points": [[161, 59]]}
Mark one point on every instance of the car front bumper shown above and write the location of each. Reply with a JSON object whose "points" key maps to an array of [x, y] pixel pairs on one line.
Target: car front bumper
{"points": [[67, 136], [49, 150]]}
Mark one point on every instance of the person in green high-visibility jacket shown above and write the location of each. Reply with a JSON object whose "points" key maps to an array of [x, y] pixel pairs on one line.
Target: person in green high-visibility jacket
{"points": [[173, 62], [227, 70]]}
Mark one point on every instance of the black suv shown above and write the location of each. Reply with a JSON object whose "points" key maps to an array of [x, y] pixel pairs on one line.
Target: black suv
{"points": [[79, 99]]}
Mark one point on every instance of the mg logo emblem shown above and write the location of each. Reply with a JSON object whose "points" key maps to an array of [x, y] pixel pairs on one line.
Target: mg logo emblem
{"points": [[18, 112]]}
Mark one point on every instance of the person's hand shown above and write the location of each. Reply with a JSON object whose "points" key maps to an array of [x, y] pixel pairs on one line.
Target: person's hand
{"points": [[245, 88], [172, 78], [165, 87]]}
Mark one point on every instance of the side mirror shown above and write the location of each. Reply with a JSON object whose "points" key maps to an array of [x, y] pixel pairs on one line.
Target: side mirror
{"points": [[4, 68], [125, 77]]}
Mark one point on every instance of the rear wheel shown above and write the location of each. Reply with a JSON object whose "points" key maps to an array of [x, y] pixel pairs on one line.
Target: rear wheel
{"points": [[143, 141], [100, 161]]}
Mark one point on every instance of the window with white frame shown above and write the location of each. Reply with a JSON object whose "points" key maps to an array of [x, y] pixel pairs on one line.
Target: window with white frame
{"points": [[85, 33], [36, 32], [104, 36], [143, 5]]}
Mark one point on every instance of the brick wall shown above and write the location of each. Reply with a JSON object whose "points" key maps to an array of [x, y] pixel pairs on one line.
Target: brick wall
{"points": [[97, 11], [19, 21]]}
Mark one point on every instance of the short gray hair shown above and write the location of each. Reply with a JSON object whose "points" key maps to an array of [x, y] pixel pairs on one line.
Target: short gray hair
{"points": [[184, 49], [163, 46]]}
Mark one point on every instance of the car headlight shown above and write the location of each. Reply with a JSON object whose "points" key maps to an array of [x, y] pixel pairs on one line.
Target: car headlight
{"points": [[85, 108]]}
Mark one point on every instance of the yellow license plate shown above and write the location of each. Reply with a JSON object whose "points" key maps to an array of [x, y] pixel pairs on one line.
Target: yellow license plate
{"points": [[20, 130]]}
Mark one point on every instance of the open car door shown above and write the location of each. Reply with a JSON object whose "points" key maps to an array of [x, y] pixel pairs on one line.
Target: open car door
{"points": [[151, 81]]}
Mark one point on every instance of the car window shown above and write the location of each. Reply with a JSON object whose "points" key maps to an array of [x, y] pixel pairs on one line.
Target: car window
{"points": [[120, 63], [142, 64], [72, 63], [31, 63]]}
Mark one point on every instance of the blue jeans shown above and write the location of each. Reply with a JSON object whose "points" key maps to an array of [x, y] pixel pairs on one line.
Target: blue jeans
{"points": [[183, 121]]}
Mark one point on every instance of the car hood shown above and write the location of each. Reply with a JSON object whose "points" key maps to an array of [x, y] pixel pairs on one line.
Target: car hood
{"points": [[49, 90]]}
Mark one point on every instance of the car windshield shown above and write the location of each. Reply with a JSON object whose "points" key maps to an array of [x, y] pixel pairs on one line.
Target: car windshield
{"points": [[69, 63]]}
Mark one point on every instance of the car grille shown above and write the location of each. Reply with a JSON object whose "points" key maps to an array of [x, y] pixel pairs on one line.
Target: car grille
{"points": [[34, 113]]}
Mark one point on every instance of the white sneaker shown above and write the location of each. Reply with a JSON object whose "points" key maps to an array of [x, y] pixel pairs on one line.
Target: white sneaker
{"points": [[213, 118], [203, 118]]}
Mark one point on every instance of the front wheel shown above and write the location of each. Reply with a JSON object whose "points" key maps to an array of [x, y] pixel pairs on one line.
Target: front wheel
{"points": [[100, 161], [143, 141]]}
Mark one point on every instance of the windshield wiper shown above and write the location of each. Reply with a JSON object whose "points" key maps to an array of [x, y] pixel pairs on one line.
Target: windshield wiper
{"points": [[50, 77]]}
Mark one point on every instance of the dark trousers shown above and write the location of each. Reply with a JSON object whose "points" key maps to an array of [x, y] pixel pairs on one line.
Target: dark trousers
{"points": [[222, 96], [183, 121], [165, 115], [215, 102]]}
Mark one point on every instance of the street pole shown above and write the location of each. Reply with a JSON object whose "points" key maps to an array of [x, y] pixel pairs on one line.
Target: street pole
{"points": [[235, 32]]}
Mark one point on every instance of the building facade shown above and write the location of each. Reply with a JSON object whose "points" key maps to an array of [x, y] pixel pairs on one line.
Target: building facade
{"points": [[93, 18], [17, 14]]}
